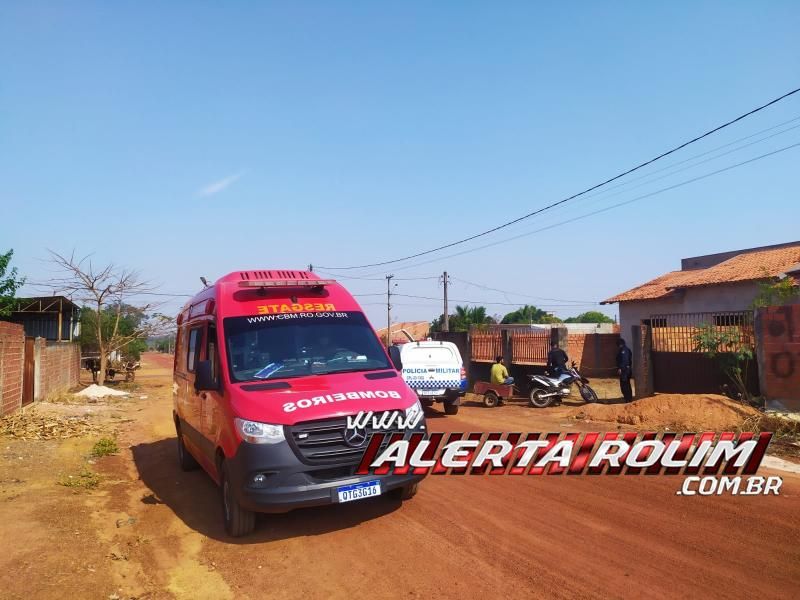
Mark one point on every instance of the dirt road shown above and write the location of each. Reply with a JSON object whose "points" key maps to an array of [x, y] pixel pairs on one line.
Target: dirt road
{"points": [[151, 531]]}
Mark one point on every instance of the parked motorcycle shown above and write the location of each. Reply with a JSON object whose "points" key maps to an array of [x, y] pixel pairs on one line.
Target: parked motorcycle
{"points": [[546, 390]]}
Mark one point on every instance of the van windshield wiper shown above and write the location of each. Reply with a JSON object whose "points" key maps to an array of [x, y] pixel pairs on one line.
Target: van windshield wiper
{"points": [[353, 370]]}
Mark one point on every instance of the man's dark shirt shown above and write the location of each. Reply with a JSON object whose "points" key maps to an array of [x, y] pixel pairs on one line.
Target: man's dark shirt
{"points": [[557, 359], [624, 358]]}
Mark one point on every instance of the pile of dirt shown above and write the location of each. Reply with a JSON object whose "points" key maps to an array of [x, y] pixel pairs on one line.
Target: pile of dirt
{"points": [[31, 425], [677, 412], [100, 391]]}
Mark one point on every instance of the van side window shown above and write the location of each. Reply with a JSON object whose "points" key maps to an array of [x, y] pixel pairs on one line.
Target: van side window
{"points": [[211, 350], [195, 336], [180, 348]]}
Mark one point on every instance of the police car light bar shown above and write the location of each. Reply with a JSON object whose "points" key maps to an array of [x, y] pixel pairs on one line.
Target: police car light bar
{"points": [[287, 283]]}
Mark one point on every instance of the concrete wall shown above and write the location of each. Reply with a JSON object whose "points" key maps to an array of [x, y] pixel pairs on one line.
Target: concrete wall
{"points": [[57, 367], [728, 297], [778, 353], [12, 356]]}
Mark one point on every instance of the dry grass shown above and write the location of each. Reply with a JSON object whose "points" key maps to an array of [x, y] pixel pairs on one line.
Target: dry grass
{"points": [[31, 425], [85, 480]]}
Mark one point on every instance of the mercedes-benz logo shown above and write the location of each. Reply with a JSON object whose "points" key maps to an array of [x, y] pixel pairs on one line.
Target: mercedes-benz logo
{"points": [[355, 437]]}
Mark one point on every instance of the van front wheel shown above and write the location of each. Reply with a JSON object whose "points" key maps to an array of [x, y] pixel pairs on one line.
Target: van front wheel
{"points": [[238, 521], [407, 492]]}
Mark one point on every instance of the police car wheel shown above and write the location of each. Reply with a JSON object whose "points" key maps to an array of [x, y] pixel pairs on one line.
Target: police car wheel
{"points": [[450, 408], [238, 521]]}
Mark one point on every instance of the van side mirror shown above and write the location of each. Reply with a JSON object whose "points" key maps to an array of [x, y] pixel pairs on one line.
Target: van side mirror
{"points": [[394, 354], [204, 377]]}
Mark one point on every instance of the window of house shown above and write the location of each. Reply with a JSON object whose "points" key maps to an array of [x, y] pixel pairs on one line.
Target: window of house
{"points": [[729, 320], [656, 322]]}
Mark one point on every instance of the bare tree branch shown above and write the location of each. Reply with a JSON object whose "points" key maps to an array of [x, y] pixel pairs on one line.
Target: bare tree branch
{"points": [[106, 288]]}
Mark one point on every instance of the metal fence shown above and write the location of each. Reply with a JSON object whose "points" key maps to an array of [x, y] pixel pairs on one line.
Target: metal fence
{"points": [[530, 347], [485, 347], [679, 332]]}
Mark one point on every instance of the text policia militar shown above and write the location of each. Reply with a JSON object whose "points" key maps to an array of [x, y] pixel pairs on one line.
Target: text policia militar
{"points": [[613, 453]]}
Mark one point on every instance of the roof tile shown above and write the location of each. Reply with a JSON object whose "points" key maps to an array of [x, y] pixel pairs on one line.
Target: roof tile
{"points": [[748, 266]]}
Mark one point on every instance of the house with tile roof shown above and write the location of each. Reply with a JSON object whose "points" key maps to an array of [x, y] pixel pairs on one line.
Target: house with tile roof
{"points": [[724, 282]]}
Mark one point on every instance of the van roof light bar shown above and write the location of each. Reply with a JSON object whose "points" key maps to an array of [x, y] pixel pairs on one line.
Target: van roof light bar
{"points": [[309, 283]]}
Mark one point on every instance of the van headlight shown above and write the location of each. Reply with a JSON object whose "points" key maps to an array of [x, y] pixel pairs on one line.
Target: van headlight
{"points": [[413, 412], [259, 433]]}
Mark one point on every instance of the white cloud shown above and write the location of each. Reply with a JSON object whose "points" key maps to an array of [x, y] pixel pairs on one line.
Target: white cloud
{"points": [[218, 186]]}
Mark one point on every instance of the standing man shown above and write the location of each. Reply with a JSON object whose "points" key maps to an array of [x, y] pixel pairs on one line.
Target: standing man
{"points": [[500, 373], [557, 360], [624, 369]]}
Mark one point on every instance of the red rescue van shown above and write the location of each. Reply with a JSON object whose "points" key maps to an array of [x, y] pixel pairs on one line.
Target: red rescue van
{"points": [[268, 365]]}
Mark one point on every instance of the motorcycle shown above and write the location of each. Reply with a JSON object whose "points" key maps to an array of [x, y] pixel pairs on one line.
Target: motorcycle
{"points": [[546, 390]]}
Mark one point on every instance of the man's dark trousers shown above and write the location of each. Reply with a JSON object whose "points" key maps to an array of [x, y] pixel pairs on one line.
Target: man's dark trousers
{"points": [[625, 383]]}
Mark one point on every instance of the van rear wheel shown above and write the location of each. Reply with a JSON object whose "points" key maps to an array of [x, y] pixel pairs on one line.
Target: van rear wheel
{"points": [[185, 460], [238, 521]]}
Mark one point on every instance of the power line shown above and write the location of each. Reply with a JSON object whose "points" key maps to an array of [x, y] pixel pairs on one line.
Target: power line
{"points": [[491, 289], [707, 152], [489, 302], [342, 276], [607, 208], [162, 294], [572, 197], [650, 179]]}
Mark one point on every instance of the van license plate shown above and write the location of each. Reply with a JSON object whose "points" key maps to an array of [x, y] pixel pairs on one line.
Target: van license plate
{"points": [[431, 392], [357, 491]]}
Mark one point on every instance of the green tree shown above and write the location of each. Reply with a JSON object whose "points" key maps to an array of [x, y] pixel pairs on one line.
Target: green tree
{"points": [[776, 293], [592, 316], [463, 318], [9, 283], [732, 352], [529, 314], [121, 324]]}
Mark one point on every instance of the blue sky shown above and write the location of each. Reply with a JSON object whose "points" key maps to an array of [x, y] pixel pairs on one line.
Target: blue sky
{"points": [[196, 138]]}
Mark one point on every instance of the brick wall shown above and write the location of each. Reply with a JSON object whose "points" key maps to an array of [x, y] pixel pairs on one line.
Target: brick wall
{"points": [[595, 353], [778, 349], [58, 367], [12, 355]]}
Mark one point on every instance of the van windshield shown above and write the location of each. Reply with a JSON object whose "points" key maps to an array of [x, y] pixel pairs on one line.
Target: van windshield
{"points": [[297, 344]]}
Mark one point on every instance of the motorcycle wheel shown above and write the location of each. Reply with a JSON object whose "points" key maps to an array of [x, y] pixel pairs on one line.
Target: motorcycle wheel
{"points": [[539, 400], [588, 394]]}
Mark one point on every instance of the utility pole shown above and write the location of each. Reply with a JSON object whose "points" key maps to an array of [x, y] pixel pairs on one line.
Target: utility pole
{"points": [[446, 319], [389, 310]]}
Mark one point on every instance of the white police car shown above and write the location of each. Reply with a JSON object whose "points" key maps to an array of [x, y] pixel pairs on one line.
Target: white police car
{"points": [[434, 370]]}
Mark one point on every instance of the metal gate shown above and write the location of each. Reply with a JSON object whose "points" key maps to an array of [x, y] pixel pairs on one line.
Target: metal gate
{"points": [[28, 372], [681, 367]]}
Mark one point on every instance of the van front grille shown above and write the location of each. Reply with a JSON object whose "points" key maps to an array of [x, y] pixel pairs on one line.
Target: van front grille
{"points": [[322, 441]]}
